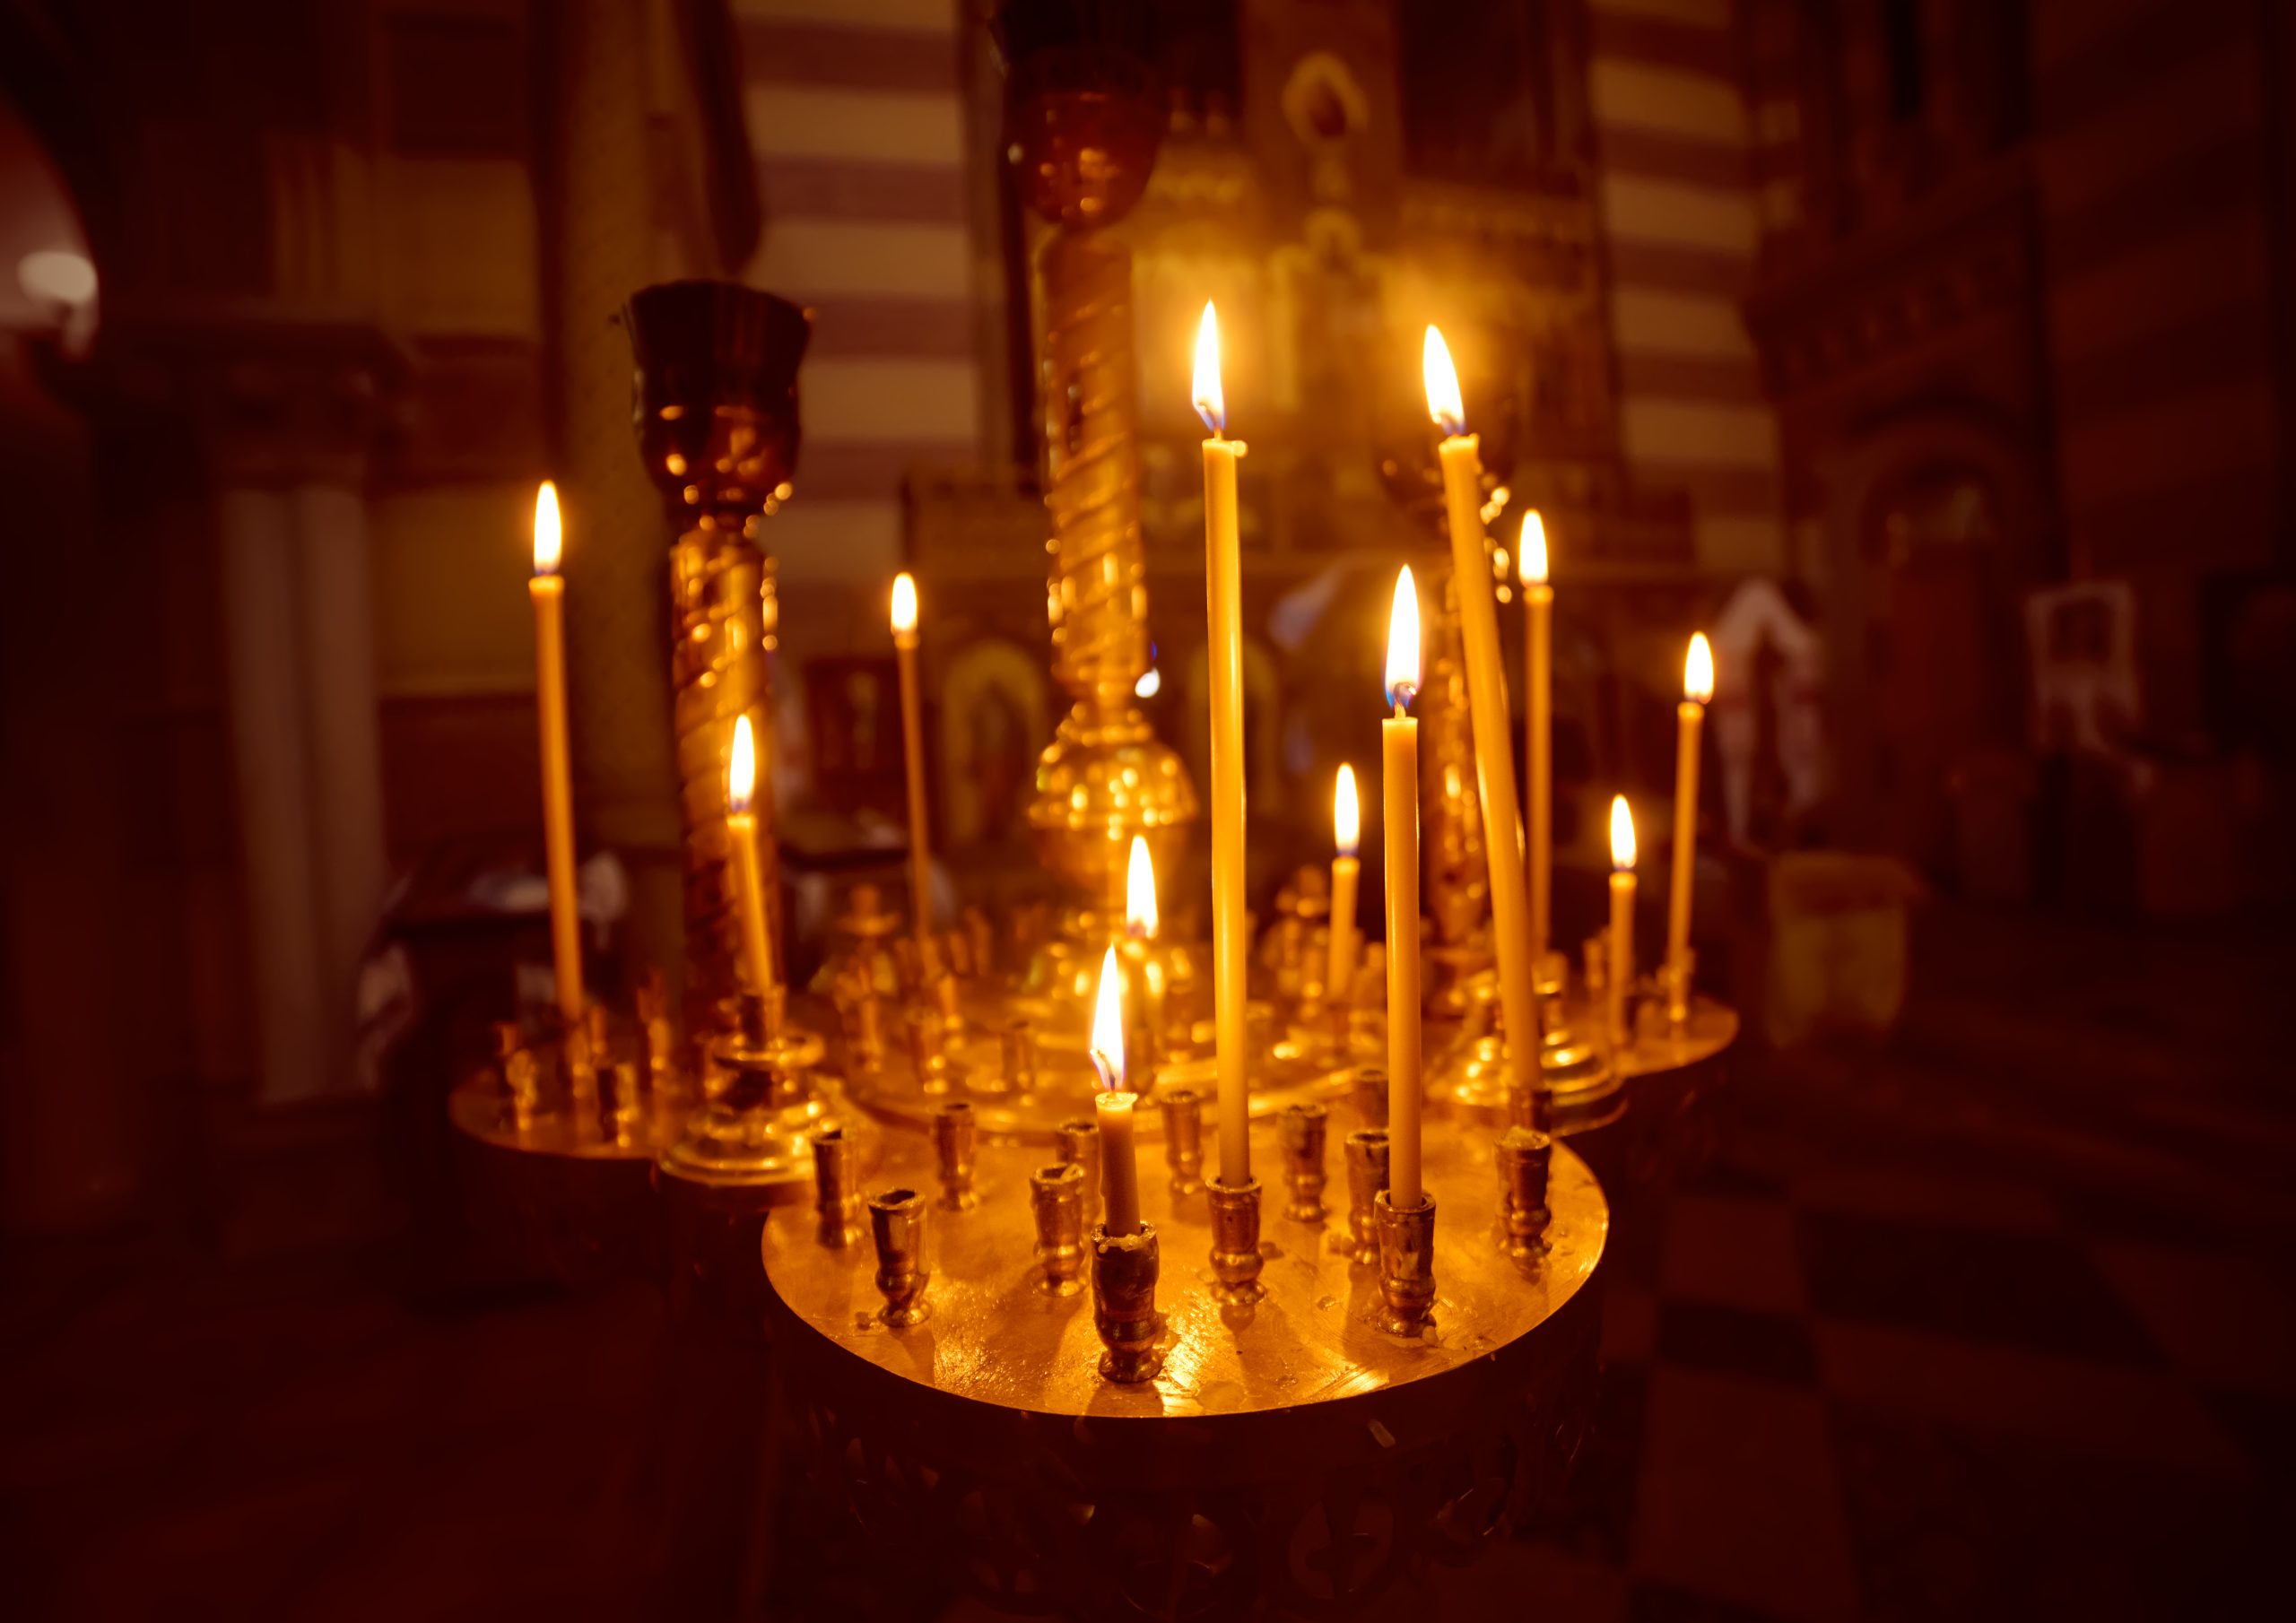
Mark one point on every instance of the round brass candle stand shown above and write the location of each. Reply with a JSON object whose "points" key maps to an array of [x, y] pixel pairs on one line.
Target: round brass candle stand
{"points": [[1288, 1457]]}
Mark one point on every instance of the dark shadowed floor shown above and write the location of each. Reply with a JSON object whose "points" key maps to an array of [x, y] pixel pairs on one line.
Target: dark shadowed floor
{"points": [[1999, 1320]]}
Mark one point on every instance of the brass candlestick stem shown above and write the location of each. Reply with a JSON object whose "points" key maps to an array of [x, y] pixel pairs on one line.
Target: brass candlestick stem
{"points": [[897, 1222], [1183, 1110], [1124, 1302], [1406, 1265], [1236, 1260], [1056, 1200], [1366, 1182], [1303, 1128], [1523, 1157]]}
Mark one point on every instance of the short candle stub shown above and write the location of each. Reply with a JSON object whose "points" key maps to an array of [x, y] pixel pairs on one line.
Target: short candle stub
{"points": [[836, 1194], [1407, 1265], [955, 1134], [1371, 1095], [897, 1223], [1056, 1199], [1523, 1157], [1367, 1178], [1124, 1302], [1184, 1139], [1236, 1260], [1303, 1128]]}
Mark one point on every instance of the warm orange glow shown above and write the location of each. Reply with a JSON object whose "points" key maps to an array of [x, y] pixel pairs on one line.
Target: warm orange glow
{"points": [[1403, 640], [1346, 817], [1533, 549], [741, 768], [1211, 405], [548, 540], [1107, 1022], [1140, 892], [1442, 378], [904, 604], [1622, 834], [1698, 671]]}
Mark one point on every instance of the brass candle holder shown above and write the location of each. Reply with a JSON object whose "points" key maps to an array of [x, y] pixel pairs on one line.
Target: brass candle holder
{"points": [[1367, 1181], [1523, 1157], [1124, 1304], [1021, 1057], [955, 1136], [837, 1186], [1302, 1129], [897, 1223], [1236, 1259], [1183, 1110], [1078, 1143], [1406, 1265], [1369, 1094], [1057, 1200]]}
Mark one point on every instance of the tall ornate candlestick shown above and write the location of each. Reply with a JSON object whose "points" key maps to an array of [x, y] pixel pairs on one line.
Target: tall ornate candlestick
{"points": [[548, 589], [1538, 727], [1697, 688], [1619, 982], [1494, 754], [912, 745], [717, 419]]}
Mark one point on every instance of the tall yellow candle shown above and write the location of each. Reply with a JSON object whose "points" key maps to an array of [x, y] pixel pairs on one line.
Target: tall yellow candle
{"points": [[548, 590], [912, 745], [1224, 647], [1399, 803], [1538, 725], [741, 831], [1113, 1107], [1346, 829], [1622, 967], [1494, 750], [1697, 688]]}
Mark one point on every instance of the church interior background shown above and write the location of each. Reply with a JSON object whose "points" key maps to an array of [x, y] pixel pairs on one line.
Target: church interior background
{"points": [[1933, 358]]}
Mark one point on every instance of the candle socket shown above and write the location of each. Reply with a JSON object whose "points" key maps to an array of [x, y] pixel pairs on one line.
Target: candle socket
{"points": [[836, 1194], [928, 1049], [955, 1135], [1124, 1302], [1406, 1265], [1184, 1139], [521, 1076], [1371, 1095], [1367, 1181], [897, 1223], [1021, 1057], [1077, 1143], [624, 1105], [1056, 1200], [1303, 1129], [1674, 979], [1236, 1261], [1523, 1157]]}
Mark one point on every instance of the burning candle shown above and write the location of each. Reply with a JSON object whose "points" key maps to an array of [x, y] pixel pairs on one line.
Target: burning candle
{"points": [[741, 831], [1224, 652], [912, 743], [1697, 688], [1399, 804], [1494, 751], [1112, 1107], [1146, 972], [1621, 970], [1538, 725], [1346, 829], [548, 590]]}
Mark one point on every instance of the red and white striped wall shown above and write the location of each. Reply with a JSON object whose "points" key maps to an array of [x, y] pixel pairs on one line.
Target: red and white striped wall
{"points": [[1680, 214]]}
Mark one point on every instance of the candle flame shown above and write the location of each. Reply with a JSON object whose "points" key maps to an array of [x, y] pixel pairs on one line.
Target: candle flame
{"points": [[1698, 669], [1211, 405], [741, 768], [904, 604], [1533, 549], [549, 540], [1403, 641], [1140, 893], [1442, 379], [1107, 1023], [1346, 816], [1149, 685], [1621, 835]]}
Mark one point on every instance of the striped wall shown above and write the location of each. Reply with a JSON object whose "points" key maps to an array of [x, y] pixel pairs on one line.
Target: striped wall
{"points": [[1680, 214], [857, 120], [2152, 134]]}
